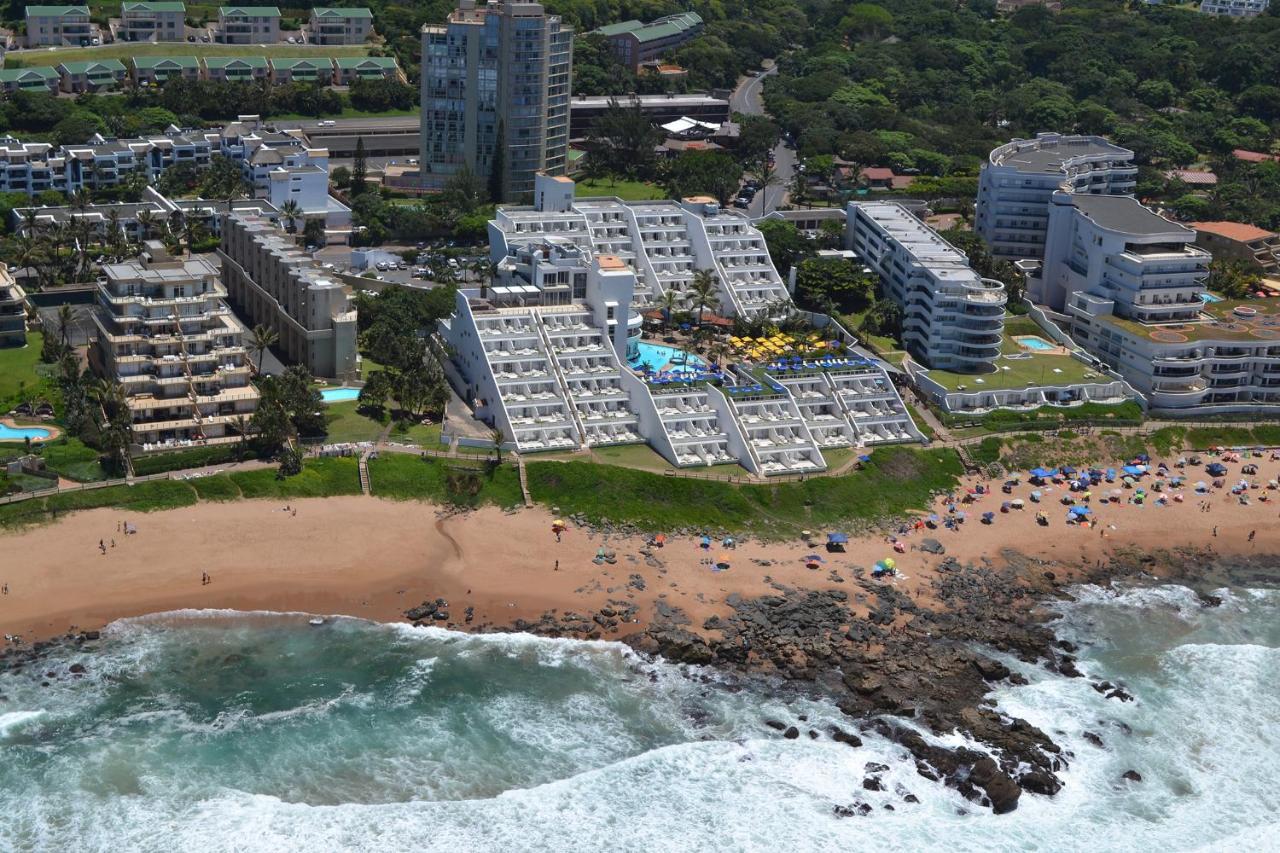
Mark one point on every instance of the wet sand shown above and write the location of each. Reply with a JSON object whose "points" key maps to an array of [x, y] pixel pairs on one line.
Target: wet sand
{"points": [[373, 558]]}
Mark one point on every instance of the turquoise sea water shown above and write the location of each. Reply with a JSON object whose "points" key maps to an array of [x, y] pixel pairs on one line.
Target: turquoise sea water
{"points": [[257, 732]]}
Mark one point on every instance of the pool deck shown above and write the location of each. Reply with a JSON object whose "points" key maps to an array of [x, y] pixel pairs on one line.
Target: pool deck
{"points": [[54, 432]]}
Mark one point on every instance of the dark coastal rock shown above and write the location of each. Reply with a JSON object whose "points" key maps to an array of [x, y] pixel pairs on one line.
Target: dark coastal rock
{"points": [[910, 798], [1094, 739], [932, 546], [791, 733], [874, 767], [1131, 775], [76, 669], [841, 736], [776, 725], [991, 670], [1039, 782], [873, 783], [1121, 694]]}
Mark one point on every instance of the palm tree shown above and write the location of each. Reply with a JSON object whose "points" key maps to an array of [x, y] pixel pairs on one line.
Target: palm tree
{"points": [[497, 438], [146, 222], [264, 337], [669, 303], [64, 326], [290, 211], [704, 292]]}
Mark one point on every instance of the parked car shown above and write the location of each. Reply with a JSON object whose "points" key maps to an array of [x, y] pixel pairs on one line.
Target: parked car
{"points": [[741, 202]]}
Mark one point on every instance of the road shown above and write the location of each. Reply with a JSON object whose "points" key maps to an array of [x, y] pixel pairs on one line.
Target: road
{"points": [[748, 99]]}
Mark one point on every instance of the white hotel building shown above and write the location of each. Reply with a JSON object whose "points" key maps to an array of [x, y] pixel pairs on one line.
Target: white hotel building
{"points": [[1012, 212], [1129, 287], [952, 318], [543, 354]]}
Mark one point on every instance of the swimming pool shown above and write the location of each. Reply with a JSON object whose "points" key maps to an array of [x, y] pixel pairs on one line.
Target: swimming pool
{"points": [[1210, 297], [660, 357], [339, 395], [8, 433], [1032, 342]]}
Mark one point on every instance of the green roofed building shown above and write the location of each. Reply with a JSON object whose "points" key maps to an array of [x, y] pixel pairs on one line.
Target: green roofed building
{"points": [[29, 80], [248, 25], [635, 43], [295, 70], [243, 68], [94, 75], [156, 70], [352, 68], [340, 26], [152, 22], [61, 26]]}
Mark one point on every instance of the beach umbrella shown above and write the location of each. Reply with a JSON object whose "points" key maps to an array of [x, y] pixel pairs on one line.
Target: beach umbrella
{"points": [[706, 542], [1078, 511], [1017, 503], [837, 538], [900, 547], [889, 563], [1035, 496], [1202, 486], [559, 522], [988, 517], [812, 558], [722, 559]]}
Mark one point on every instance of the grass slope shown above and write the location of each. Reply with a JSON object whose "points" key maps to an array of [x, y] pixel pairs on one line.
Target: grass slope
{"points": [[895, 481], [400, 476]]}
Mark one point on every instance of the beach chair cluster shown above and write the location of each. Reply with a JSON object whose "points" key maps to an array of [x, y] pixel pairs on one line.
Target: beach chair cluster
{"points": [[778, 345]]}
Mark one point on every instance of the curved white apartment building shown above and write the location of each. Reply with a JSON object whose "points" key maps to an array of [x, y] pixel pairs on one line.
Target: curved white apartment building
{"points": [[952, 318], [1012, 213]]}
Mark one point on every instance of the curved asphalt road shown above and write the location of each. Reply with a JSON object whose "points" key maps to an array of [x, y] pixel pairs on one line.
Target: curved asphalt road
{"points": [[747, 99]]}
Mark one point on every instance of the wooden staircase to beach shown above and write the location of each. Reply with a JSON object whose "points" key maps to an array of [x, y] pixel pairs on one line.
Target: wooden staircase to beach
{"points": [[365, 487], [524, 480]]}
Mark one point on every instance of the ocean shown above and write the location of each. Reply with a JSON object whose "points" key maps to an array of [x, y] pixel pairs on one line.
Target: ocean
{"points": [[258, 732]]}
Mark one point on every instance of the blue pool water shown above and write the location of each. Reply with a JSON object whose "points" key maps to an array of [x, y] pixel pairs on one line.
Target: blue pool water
{"points": [[339, 395], [1033, 343], [1210, 297], [660, 357], [8, 433]]}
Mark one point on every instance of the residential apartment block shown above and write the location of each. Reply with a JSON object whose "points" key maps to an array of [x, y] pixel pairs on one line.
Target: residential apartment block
{"points": [[166, 335], [340, 26], [496, 77], [1016, 182], [1234, 8], [37, 79], [1129, 286], [273, 283], [952, 318], [152, 22], [158, 70], [635, 43], [247, 25], [95, 75], [141, 220], [551, 354], [302, 70], [60, 26], [349, 69], [242, 69], [13, 311], [1255, 246]]}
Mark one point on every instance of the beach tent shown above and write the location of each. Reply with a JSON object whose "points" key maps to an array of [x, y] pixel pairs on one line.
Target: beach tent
{"points": [[1216, 469], [1135, 470], [1043, 473], [837, 541], [1078, 511]]}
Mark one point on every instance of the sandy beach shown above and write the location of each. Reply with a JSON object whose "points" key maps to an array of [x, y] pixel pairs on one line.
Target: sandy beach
{"points": [[373, 558]]}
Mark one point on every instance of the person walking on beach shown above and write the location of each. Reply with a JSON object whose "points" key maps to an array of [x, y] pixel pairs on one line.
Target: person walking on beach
{"points": [[1252, 533], [4, 590], [1215, 531]]}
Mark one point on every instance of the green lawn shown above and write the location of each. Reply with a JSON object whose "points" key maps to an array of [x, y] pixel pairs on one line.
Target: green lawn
{"points": [[19, 365], [400, 476], [837, 456], [921, 422], [625, 190], [640, 456], [319, 478], [124, 51], [348, 424], [423, 435], [895, 481], [1045, 369], [73, 459]]}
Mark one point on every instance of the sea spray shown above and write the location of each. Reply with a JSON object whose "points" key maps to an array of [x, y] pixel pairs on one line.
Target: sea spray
{"points": [[227, 732]]}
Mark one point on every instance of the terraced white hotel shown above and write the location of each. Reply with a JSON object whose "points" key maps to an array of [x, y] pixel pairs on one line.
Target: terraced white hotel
{"points": [[552, 354], [952, 318]]}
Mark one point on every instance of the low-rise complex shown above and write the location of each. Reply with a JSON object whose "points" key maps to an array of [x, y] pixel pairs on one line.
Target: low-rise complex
{"points": [[635, 43], [331, 25], [271, 282], [60, 26], [158, 70], [1255, 246], [152, 22], [37, 79], [94, 75], [552, 353], [1012, 211], [13, 311], [952, 318], [165, 334], [1234, 8], [236, 69], [247, 25]]}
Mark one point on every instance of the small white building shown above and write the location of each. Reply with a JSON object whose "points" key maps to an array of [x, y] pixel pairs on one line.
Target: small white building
{"points": [[1234, 8]]}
